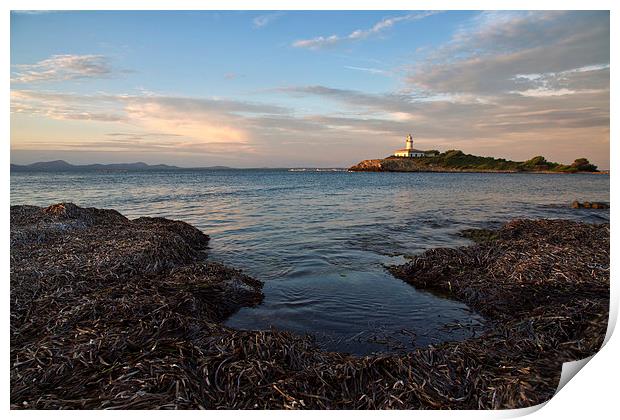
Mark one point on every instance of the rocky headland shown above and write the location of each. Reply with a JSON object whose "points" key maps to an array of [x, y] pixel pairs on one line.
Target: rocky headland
{"points": [[112, 313], [457, 161]]}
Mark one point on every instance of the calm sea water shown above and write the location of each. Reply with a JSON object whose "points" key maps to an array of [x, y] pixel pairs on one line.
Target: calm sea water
{"points": [[320, 240]]}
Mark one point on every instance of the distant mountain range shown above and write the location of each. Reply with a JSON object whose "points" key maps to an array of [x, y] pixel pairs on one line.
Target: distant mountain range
{"points": [[61, 165]]}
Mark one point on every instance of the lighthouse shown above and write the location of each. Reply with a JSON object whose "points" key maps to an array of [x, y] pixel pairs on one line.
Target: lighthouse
{"points": [[409, 151], [409, 142]]}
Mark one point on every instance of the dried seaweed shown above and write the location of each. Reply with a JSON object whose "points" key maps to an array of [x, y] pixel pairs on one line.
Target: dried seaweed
{"points": [[113, 313]]}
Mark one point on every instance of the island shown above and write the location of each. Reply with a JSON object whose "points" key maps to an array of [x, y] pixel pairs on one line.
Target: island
{"points": [[414, 160]]}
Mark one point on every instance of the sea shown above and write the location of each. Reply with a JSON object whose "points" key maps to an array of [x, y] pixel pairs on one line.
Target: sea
{"points": [[320, 240]]}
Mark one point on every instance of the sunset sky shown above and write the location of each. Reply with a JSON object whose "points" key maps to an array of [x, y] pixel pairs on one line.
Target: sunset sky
{"points": [[324, 89]]}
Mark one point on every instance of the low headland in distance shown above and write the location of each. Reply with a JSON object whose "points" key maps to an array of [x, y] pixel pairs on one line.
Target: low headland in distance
{"points": [[64, 166], [113, 313], [457, 161]]}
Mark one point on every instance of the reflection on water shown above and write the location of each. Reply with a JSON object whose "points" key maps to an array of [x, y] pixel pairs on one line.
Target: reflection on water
{"points": [[319, 239]]}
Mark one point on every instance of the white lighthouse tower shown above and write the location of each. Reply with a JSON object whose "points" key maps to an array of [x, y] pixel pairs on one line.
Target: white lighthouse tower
{"points": [[409, 143], [409, 151]]}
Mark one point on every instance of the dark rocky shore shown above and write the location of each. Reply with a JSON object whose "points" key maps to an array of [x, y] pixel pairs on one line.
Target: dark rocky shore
{"points": [[108, 312]]}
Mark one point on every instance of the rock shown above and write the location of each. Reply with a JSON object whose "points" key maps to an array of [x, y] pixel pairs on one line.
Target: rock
{"points": [[479, 235], [373, 165], [589, 205]]}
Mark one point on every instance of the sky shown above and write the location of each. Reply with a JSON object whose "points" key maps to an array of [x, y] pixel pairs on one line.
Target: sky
{"points": [[307, 88]]}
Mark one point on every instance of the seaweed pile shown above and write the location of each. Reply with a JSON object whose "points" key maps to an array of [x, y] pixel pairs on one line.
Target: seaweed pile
{"points": [[107, 311], [113, 313], [545, 286]]}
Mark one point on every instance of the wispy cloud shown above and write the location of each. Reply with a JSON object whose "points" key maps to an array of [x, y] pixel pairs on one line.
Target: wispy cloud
{"points": [[63, 67], [66, 106], [263, 20], [367, 70], [359, 34]]}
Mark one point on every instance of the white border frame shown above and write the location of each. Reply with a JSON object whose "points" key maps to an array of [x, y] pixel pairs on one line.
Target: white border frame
{"points": [[591, 394]]}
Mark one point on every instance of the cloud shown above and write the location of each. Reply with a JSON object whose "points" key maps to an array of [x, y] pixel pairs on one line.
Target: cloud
{"points": [[367, 70], [136, 143], [62, 106], [263, 20], [63, 67], [488, 56], [42, 102], [204, 120], [355, 98], [205, 126], [586, 79], [359, 34]]}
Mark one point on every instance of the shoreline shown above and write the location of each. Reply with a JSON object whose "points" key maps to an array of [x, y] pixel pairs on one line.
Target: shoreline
{"points": [[479, 171], [129, 312]]}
